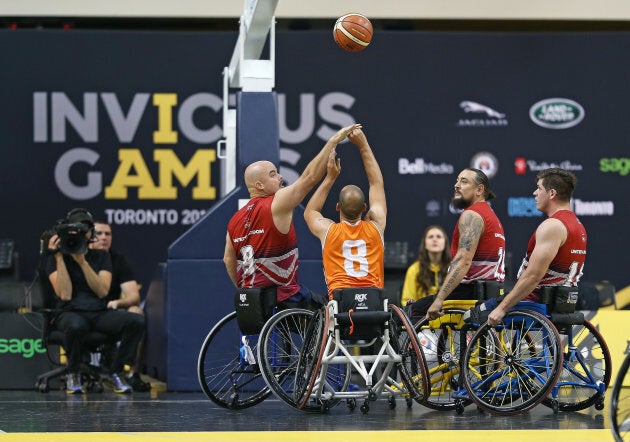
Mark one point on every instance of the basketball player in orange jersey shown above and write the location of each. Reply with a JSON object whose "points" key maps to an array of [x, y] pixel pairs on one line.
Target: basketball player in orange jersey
{"points": [[556, 251], [353, 248], [261, 245]]}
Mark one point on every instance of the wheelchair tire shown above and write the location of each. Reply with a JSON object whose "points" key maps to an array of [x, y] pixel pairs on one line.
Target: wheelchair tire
{"points": [[441, 342], [281, 340], [224, 376], [310, 359], [413, 368], [620, 403], [586, 370], [510, 368]]}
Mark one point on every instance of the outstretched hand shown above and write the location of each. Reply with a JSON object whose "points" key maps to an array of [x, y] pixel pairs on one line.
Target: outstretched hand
{"points": [[344, 132], [333, 167], [357, 137]]}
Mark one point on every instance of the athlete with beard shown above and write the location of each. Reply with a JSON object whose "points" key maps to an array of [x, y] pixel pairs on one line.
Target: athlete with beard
{"points": [[478, 247]]}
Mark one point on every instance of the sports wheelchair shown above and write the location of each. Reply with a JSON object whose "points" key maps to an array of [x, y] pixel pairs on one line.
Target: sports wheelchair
{"points": [[512, 367], [444, 341], [359, 331], [252, 351], [620, 403]]}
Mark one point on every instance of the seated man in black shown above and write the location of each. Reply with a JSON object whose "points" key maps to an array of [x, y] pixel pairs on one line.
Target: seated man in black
{"points": [[81, 279]]}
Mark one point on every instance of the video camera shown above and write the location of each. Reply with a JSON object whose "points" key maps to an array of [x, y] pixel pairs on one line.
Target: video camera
{"points": [[72, 239], [72, 232]]}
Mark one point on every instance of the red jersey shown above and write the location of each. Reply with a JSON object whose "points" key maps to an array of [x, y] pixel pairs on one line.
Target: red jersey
{"points": [[353, 256], [489, 260], [567, 266], [265, 256]]}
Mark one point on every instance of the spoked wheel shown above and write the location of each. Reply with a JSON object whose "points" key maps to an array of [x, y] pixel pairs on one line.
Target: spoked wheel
{"points": [[586, 370], [441, 341], [310, 359], [413, 368], [281, 340], [620, 403], [227, 371], [510, 368]]}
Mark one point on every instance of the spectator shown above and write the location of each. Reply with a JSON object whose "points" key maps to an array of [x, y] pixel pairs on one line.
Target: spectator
{"points": [[81, 280], [424, 277], [124, 293]]}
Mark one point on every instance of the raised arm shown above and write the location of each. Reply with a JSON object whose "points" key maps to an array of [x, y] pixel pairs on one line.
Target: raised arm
{"points": [[317, 224], [288, 198], [377, 201]]}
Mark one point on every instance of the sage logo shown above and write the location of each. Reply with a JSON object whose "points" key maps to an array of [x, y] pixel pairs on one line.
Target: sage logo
{"points": [[615, 165], [26, 347], [556, 113]]}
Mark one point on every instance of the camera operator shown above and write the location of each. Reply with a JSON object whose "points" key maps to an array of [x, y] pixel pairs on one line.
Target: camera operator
{"points": [[81, 279]]}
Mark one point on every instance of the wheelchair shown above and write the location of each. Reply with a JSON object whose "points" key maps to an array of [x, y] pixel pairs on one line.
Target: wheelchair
{"points": [[620, 403], [254, 337], [360, 331], [514, 366], [443, 342]]}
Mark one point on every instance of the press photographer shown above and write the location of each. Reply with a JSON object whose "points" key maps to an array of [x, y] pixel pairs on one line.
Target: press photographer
{"points": [[81, 278]]}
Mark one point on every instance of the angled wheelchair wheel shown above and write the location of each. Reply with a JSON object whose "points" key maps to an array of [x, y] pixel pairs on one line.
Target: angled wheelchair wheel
{"points": [[311, 354], [510, 368], [586, 370], [620, 403], [441, 341], [413, 368], [281, 340], [227, 371]]}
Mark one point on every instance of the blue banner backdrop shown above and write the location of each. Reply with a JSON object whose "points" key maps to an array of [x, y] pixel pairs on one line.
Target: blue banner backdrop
{"points": [[126, 124]]}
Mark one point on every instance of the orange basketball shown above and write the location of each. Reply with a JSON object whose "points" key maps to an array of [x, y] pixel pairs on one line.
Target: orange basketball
{"points": [[353, 32]]}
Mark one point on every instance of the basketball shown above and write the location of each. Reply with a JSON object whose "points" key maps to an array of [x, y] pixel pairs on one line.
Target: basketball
{"points": [[353, 32]]}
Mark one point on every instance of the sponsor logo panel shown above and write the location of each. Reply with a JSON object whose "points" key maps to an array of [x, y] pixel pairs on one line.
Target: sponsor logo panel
{"points": [[557, 113], [480, 115]]}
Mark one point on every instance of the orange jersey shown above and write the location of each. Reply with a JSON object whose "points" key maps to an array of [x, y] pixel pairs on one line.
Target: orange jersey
{"points": [[353, 256]]}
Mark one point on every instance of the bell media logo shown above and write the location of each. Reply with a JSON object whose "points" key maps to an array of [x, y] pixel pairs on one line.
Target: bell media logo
{"points": [[557, 113]]}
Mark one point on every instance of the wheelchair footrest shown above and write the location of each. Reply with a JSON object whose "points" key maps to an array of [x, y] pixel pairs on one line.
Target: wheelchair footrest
{"points": [[362, 318]]}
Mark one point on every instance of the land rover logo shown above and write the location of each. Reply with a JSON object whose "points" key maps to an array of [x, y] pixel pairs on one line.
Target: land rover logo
{"points": [[557, 113]]}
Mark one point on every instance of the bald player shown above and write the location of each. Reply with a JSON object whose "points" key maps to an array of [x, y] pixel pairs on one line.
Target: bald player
{"points": [[261, 246], [352, 249]]}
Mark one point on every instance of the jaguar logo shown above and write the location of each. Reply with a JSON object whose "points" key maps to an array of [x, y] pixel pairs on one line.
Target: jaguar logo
{"points": [[471, 106]]}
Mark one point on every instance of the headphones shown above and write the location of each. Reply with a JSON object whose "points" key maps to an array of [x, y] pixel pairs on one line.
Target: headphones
{"points": [[79, 215]]}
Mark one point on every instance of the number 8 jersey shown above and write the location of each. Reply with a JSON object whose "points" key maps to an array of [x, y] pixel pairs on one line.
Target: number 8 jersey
{"points": [[353, 255]]}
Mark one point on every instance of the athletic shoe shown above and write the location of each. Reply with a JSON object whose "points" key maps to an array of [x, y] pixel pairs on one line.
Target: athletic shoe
{"points": [[118, 384], [137, 383], [73, 384]]}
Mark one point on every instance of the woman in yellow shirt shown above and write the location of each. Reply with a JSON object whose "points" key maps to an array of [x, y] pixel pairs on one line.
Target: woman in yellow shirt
{"points": [[424, 277]]}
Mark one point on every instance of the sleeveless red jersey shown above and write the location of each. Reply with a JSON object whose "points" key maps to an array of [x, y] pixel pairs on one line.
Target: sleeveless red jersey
{"points": [[567, 266], [489, 260], [265, 256], [353, 255]]}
